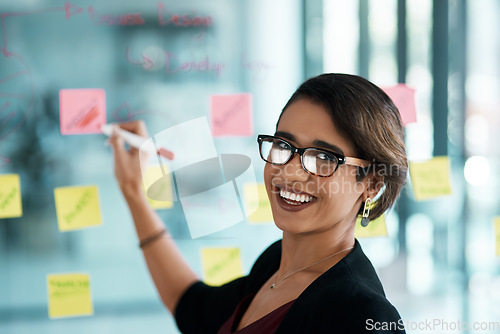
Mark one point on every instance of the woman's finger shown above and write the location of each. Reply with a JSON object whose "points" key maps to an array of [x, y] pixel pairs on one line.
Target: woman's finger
{"points": [[138, 127], [118, 145]]}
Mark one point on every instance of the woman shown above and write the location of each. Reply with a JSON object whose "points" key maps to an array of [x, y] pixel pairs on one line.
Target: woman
{"points": [[338, 142]]}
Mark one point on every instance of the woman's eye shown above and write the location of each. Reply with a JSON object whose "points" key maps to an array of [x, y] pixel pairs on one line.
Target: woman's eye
{"points": [[283, 146], [324, 156]]}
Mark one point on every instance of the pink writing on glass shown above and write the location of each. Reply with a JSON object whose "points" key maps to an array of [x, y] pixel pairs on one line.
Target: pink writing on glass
{"points": [[133, 19], [167, 18], [259, 68], [173, 65]]}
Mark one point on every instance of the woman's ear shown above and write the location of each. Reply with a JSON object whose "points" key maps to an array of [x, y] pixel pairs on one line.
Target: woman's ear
{"points": [[374, 183]]}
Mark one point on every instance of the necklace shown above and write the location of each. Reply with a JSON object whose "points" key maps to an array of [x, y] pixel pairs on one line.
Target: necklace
{"points": [[275, 284]]}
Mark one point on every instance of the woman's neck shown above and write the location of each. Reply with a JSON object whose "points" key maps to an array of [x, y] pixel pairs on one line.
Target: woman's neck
{"points": [[299, 251]]}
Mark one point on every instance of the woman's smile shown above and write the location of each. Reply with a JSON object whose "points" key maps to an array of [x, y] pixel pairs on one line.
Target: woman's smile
{"points": [[290, 199]]}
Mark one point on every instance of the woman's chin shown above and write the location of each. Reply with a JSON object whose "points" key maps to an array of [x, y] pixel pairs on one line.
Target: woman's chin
{"points": [[291, 226]]}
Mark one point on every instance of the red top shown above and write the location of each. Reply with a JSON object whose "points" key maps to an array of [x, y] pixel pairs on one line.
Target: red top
{"points": [[267, 324]]}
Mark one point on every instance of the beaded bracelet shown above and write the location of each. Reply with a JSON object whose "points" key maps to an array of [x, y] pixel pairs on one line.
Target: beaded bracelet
{"points": [[152, 238]]}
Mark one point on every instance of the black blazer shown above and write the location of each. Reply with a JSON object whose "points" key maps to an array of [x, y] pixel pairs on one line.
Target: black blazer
{"points": [[348, 299]]}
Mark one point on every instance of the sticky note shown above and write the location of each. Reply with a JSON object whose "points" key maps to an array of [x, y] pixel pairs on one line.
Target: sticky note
{"points": [[191, 142], [255, 195], [69, 295], [243, 179], [231, 115], [497, 234], [77, 207], [404, 99], [162, 187], [10, 196], [211, 211], [430, 178], [221, 265], [375, 228], [82, 111]]}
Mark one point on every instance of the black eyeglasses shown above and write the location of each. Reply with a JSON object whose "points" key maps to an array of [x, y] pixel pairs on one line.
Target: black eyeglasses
{"points": [[316, 161]]}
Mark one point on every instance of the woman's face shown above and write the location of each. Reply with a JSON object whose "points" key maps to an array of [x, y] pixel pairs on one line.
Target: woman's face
{"points": [[334, 200]]}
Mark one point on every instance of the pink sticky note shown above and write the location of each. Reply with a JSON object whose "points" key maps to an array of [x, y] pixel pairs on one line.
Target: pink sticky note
{"points": [[82, 111], [231, 115], [404, 98]]}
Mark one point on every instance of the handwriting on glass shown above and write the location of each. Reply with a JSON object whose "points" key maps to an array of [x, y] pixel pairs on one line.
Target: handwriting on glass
{"points": [[80, 205], [8, 198], [68, 287]]}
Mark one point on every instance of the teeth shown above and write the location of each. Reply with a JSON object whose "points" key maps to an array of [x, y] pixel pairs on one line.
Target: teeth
{"points": [[295, 197], [285, 194]]}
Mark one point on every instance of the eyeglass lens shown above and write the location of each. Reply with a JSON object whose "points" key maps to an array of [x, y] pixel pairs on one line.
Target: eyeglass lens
{"points": [[315, 161]]}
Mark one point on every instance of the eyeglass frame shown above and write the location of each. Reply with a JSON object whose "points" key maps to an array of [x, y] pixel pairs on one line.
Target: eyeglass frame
{"points": [[342, 160]]}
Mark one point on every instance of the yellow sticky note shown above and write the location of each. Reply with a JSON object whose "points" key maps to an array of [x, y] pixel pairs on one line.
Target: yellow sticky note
{"points": [[69, 295], [257, 199], [497, 234], [77, 207], [376, 228], [221, 265], [430, 178], [10, 196], [157, 185]]}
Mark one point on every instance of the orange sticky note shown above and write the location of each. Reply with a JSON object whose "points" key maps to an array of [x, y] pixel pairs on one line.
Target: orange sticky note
{"points": [[404, 99], [82, 111], [221, 265], [10, 196], [231, 115], [69, 295]]}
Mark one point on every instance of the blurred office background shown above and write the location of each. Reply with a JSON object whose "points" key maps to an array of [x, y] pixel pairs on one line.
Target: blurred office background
{"points": [[438, 261]]}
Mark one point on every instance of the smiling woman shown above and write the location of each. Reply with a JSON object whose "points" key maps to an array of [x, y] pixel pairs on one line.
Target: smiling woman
{"points": [[365, 116], [328, 159]]}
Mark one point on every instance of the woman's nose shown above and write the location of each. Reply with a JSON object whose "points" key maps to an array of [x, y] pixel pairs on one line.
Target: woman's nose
{"points": [[294, 171]]}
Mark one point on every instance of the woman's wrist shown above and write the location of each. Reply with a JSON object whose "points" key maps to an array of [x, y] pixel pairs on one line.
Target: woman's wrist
{"points": [[132, 192], [152, 238]]}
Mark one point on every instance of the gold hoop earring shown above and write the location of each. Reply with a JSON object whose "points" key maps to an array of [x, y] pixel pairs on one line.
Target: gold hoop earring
{"points": [[366, 212]]}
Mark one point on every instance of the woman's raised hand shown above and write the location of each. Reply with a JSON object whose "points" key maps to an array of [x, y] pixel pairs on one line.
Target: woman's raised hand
{"points": [[128, 162]]}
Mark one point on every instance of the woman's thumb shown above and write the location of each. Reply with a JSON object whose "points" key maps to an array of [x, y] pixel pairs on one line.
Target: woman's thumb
{"points": [[117, 143]]}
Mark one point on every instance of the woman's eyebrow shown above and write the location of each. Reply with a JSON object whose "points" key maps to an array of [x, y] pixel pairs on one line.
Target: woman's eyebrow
{"points": [[317, 143], [285, 135], [329, 146]]}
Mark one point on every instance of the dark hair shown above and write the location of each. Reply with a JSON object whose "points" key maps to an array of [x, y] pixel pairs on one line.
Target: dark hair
{"points": [[369, 119]]}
